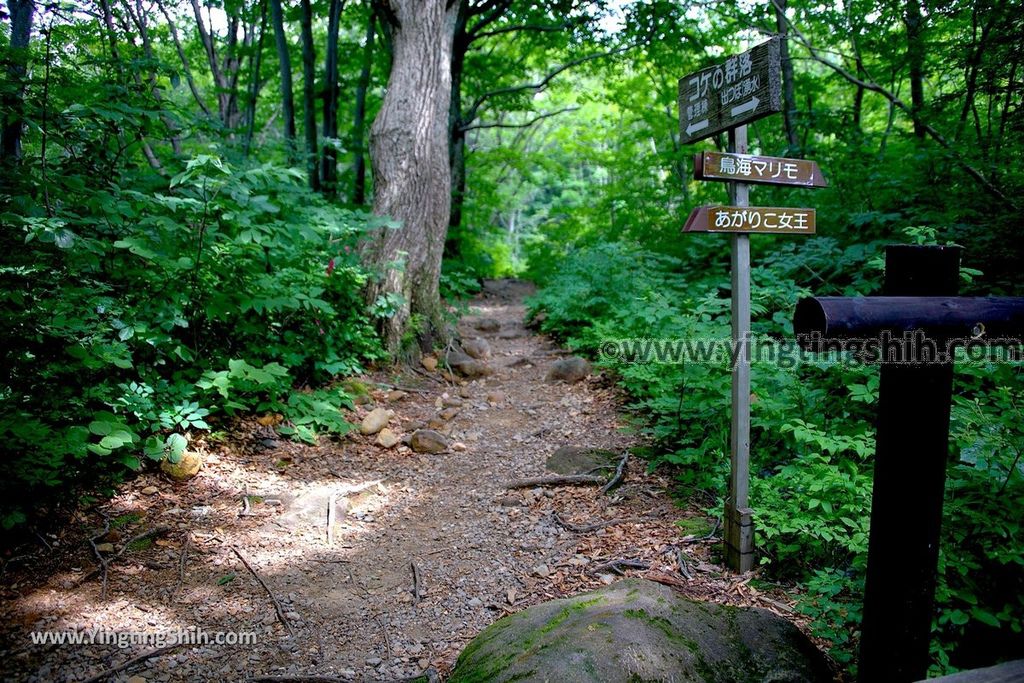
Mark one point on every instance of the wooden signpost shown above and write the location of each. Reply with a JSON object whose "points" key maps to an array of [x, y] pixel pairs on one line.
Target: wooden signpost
{"points": [[726, 97]]}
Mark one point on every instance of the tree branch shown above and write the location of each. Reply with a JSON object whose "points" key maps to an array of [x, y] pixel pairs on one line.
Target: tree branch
{"points": [[525, 124], [184, 59], [517, 27], [903, 106], [539, 85]]}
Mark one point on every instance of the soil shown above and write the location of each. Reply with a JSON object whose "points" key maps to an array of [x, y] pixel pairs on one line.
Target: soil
{"points": [[426, 550]]}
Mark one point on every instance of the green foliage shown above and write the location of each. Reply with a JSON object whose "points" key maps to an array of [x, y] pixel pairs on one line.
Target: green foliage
{"points": [[135, 315]]}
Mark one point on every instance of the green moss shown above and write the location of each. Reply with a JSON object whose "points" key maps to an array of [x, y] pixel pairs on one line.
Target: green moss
{"points": [[141, 544], [567, 611], [694, 526], [122, 521]]}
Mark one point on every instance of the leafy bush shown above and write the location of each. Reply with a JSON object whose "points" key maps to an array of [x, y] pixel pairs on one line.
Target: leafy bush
{"points": [[135, 314]]}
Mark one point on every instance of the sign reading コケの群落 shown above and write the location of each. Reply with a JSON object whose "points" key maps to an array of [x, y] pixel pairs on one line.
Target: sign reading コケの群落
{"points": [[741, 89]]}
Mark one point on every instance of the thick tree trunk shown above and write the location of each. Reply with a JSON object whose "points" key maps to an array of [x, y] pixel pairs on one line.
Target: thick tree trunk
{"points": [[329, 163], [309, 95], [17, 68], [789, 111], [359, 118], [915, 58], [283, 58], [411, 173]]}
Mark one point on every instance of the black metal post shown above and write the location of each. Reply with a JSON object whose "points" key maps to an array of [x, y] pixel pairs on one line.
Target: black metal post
{"points": [[912, 448]]}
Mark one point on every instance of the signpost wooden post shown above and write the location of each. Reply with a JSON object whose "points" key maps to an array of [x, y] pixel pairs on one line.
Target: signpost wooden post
{"points": [[728, 96]]}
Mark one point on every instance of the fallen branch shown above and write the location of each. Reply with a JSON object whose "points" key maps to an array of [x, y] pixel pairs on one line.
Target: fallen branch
{"points": [[99, 557], [273, 598], [558, 480], [398, 387], [417, 595], [300, 678], [618, 565], [105, 563], [619, 471], [132, 662], [587, 528], [181, 562]]}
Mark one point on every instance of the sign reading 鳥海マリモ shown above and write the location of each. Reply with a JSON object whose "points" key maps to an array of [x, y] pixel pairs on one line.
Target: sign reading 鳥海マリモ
{"points": [[747, 168], [741, 89]]}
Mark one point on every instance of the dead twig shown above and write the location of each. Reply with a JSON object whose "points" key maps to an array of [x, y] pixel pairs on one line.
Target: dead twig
{"points": [[411, 390], [181, 562], [331, 502], [273, 598], [557, 480], [384, 630], [417, 595], [587, 528], [132, 662], [99, 557], [619, 471], [618, 565], [105, 563]]}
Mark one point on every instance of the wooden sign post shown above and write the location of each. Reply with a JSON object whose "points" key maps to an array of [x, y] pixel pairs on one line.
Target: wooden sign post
{"points": [[728, 96]]}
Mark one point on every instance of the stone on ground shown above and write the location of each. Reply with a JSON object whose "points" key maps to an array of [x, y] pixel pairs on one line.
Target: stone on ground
{"points": [[387, 438], [580, 460], [487, 325], [569, 370], [637, 630], [477, 348], [429, 362], [428, 441], [375, 420], [184, 469]]}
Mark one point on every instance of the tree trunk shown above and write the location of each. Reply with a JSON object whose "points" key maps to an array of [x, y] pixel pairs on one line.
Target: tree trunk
{"points": [[17, 68], [359, 119], [411, 173], [329, 164], [789, 111], [287, 98], [457, 136], [255, 80], [915, 58], [309, 95]]}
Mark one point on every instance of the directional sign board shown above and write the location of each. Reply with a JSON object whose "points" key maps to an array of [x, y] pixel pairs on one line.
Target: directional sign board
{"points": [[747, 168], [745, 219], [741, 89]]}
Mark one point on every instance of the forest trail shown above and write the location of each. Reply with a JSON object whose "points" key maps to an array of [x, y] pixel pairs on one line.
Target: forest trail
{"points": [[427, 549]]}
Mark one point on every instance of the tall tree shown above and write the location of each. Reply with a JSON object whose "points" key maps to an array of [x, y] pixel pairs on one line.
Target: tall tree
{"points": [[329, 164], [788, 94], [17, 68], [285, 62], [309, 94], [915, 59], [359, 117], [411, 175]]}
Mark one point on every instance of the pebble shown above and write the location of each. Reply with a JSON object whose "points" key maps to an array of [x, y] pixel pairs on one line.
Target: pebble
{"points": [[542, 571], [149, 491]]}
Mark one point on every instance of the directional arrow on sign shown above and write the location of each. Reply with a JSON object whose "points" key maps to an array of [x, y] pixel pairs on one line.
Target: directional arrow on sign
{"points": [[696, 126], [751, 105]]}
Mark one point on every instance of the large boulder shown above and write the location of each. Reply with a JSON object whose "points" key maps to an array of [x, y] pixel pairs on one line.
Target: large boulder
{"points": [[637, 630]]}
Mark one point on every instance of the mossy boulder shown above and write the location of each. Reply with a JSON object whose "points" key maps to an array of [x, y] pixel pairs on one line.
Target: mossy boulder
{"points": [[637, 630], [580, 460], [183, 470]]}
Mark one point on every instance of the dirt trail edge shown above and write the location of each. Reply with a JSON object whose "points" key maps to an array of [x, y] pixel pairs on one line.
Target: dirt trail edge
{"points": [[425, 550]]}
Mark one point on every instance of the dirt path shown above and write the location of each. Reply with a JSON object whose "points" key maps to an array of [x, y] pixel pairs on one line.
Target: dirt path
{"points": [[479, 550]]}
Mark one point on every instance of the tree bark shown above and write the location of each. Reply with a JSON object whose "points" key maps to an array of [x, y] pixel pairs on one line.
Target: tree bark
{"points": [[359, 118], [915, 58], [309, 95], [789, 111], [411, 173], [287, 97], [329, 163], [17, 68]]}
